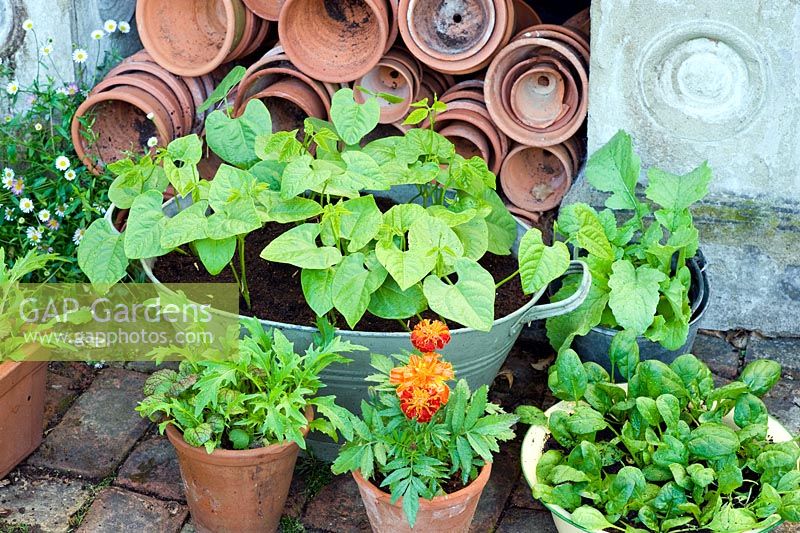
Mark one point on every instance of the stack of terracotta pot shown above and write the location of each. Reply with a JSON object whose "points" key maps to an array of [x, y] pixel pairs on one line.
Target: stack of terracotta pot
{"points": [[537, 93], [137, 101], [468, 125], [194, 37], [289, 93]]}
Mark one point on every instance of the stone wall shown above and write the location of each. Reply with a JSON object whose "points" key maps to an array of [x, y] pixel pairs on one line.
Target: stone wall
{"points": [[708, 80], [68, 23]]}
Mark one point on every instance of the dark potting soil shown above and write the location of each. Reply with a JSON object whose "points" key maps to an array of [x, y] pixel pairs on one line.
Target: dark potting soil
{"points": [[276, 293]]}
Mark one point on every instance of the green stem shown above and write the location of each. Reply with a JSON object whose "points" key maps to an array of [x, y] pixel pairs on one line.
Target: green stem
{"points": [[506, 280], [243, 269]]}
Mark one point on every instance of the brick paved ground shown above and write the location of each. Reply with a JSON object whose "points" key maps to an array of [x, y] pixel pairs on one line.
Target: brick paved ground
{"points": [[103, 469]]}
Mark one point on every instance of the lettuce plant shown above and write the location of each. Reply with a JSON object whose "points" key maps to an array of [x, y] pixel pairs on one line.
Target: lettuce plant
{"points": [[415, 434], [673, 453], [355, 258], [640, 281], [246, 393]]}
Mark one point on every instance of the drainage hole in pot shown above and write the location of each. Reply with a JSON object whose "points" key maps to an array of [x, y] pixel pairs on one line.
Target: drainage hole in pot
{"points": [[29, 397], [394, 74], [544, 81], [457, 18]]}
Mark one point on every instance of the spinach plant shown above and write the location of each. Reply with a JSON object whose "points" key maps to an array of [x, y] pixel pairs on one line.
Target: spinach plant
{"points": [[673, 453], [355, 258], [247, 393], [640, 281]]}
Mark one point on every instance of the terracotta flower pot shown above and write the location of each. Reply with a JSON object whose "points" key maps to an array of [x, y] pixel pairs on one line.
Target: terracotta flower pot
{"points": [[181, 117], [537, 96], [120, 125], [22, 390], [275, 61], [468, 140], [248, 34], [290, 102], [259, 38], [455, 37], [393, 24], [580, 21], [395, 78], [536, 179], [236, 490], [179, 86], [334, 40], [451, 513], [524, 16], [190, 37], [530, 216], [517, 52], [497, 140]]}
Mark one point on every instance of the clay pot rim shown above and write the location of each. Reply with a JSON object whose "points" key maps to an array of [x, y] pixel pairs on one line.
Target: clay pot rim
{"points": [[223, 457], [274, 91], [474, 62], [495, 75], [181, 125], [572, 93], [394, 30], [166, 62], [438, 502], [516, 87], [259, 38], [175, 83], [248, 33], [320, 74], [390, 112], [530, 216], [497, 139], [264, 10], [472, 96], [552, 200], [473, 131], [558, 33], [242, 96], [491, 8], [91, 101]]}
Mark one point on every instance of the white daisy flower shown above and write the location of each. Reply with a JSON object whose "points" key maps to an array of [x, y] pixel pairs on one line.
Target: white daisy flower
{"points": [[8, 118], [152, 141], [12, 88], [17, 187], [80, 55], [47, 49], [38, 126], [97, 35], [26, 205], [8, 182], [27, 24], [34, 235], [44, 215], [62, 162], [123, 27], [69, 175], [8, 173], [150, 115], [110, 26], [9, 214], [62, 90], [77, 237], [61, 210], [53, 224]]}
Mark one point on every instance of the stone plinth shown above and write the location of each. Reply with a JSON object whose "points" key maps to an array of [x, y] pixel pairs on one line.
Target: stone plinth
{"points": [[710, 80]]}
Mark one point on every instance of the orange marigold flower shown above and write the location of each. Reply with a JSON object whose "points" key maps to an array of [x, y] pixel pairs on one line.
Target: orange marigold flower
{"points": [[422, 370], [430, 335], [421, 403]]}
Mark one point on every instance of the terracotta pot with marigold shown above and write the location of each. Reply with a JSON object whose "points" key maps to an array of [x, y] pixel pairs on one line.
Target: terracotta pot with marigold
{"points": [[429, 445]]}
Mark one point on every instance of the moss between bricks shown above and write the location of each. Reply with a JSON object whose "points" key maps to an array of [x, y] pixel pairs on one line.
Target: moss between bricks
{"points": [[77, 519]]}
